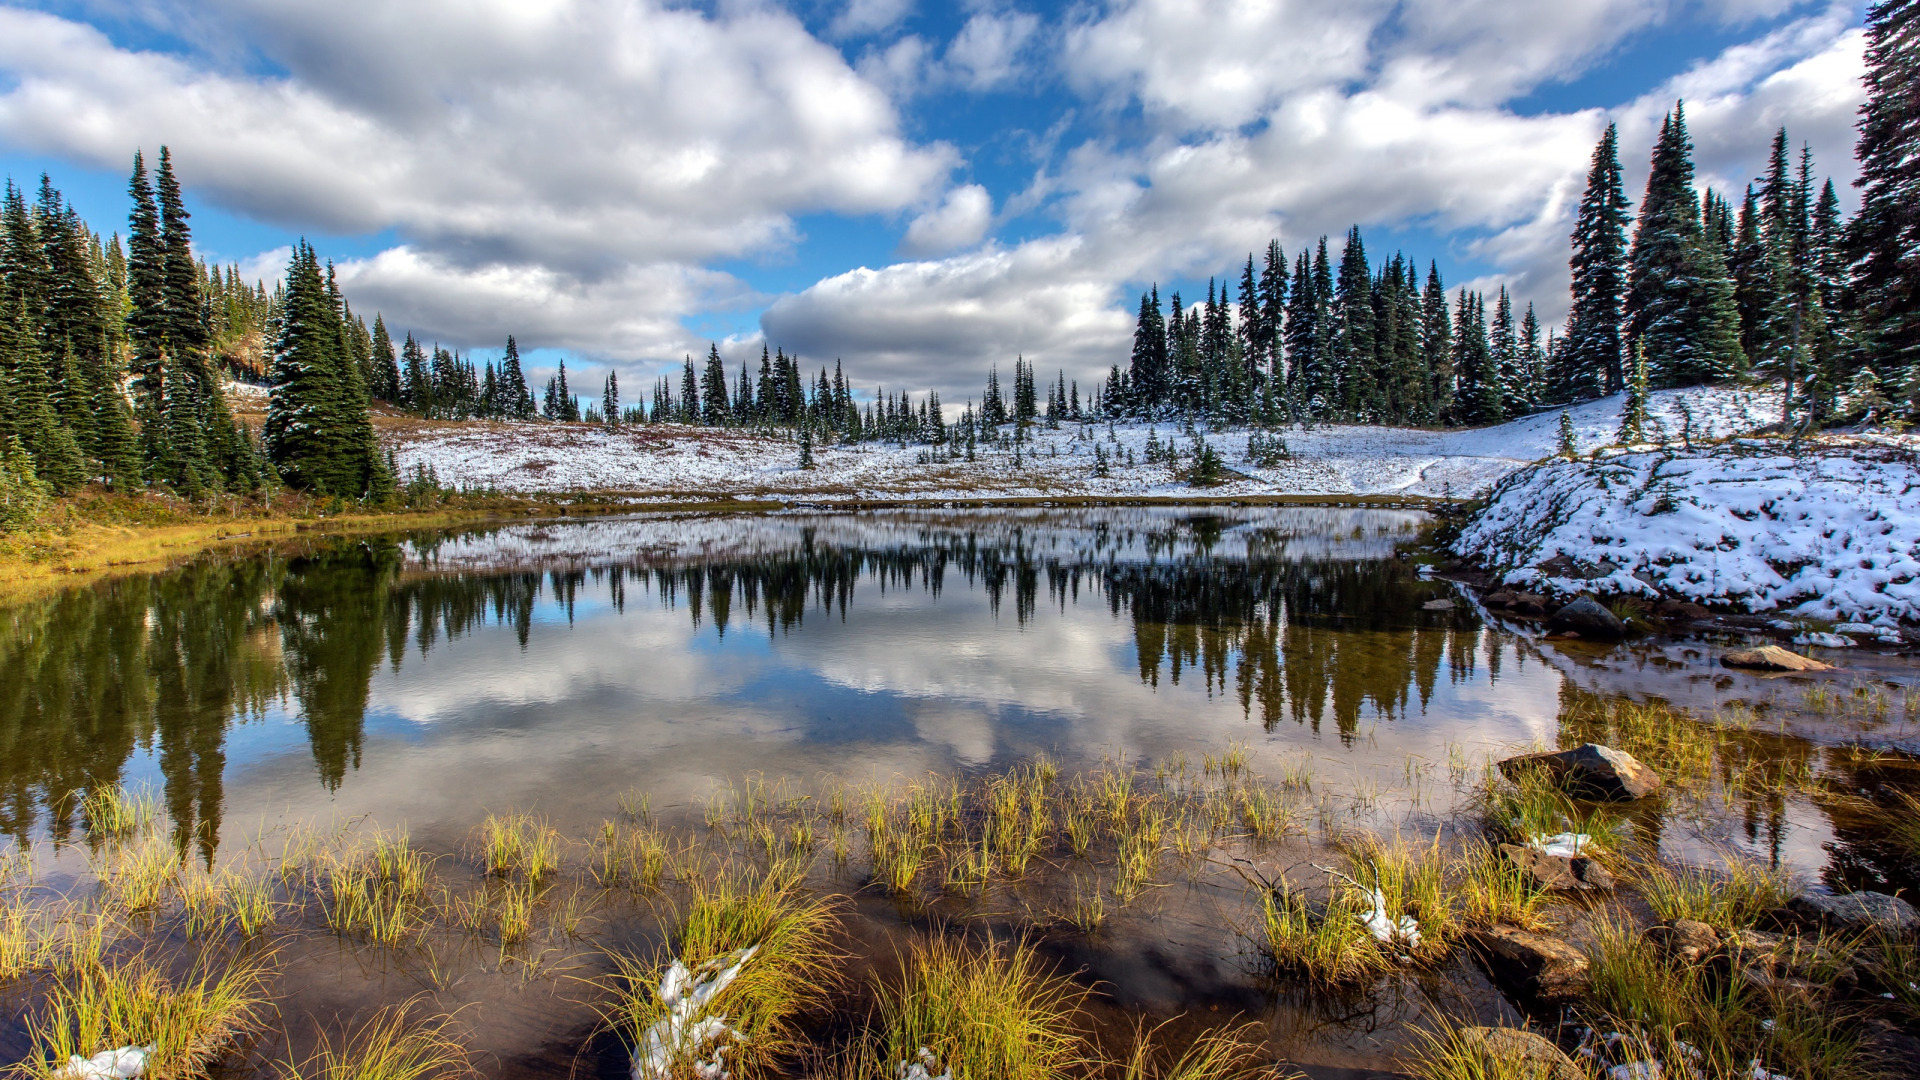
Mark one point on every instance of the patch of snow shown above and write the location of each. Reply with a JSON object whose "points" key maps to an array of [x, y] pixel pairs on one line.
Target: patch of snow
{"points": [[1823, 641], [686, 1031], [922, 1067], [1829, 532], [126, 1063], [661, 460], [1564, 845]]}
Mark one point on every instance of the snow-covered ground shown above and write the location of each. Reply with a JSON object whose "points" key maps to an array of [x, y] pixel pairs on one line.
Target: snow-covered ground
{"points": [[670, 460], [1832, 532]]}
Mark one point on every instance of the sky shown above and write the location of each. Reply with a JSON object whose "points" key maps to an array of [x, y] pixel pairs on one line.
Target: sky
{"points": [[917, 189]]}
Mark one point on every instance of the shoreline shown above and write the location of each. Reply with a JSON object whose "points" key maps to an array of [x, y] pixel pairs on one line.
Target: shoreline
{"points": [[81, 551]]}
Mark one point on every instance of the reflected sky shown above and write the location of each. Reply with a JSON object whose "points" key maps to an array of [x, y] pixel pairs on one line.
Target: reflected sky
{"points": [[425, 680]]}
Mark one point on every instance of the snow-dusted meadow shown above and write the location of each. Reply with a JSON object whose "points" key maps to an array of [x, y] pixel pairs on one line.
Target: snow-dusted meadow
{"points": [[671, 460]]}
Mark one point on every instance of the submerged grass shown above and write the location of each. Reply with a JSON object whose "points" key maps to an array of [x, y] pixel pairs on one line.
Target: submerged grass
{"points": [[986, 1012], [1733, 894], [388, 1047], [190, 1020]]}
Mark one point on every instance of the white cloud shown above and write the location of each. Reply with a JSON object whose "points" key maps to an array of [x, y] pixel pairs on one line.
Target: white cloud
{"points": [[986, 51], [861, 17], [557, 152], [959, 221]]}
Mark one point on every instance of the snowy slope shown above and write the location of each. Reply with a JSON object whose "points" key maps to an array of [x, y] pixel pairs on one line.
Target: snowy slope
{"points": [[1832, 532], [665, 460]]}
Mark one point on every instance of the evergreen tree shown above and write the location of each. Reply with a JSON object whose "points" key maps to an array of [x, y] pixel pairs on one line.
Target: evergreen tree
{"points": [[28, 408], [416, 383], [1509, 363], [1569, 442], [690, 394], [1273, 310], [1633, 413], [513, 384], [1884, 240], [146, 287], [1148, 366], [386, 371], [1679, 300], [610, 401], [713, 386], [1591, 362], [1436, 349], [1353, 356], [318, 434]]}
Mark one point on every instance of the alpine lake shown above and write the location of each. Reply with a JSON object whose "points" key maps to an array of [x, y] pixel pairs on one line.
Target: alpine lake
{"points": [[482, 780]]}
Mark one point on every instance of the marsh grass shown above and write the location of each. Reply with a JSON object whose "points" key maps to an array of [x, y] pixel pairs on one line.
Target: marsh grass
{"points": [[23, 937], [988, 1012], [139, 876], [630, 857], [113, 812], [1735, 893], [1413, 881], [519, 845], [376, 888], [1447, 1054], [1529, 805], [191, 1021], [792, 972], [387, 1047], [1493, 890], [1228, 1053], [1329, 945]]}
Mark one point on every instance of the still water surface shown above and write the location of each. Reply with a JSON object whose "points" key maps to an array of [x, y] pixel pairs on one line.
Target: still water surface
{"points": [[419, 682]]}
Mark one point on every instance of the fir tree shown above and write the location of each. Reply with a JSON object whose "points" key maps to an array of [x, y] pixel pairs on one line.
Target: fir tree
{"points": [[1148, 366], [690, 394], [1353, 356], [1633, 413], [713, 387], [513, 384], [386, 371], [1884, 240], [29, 414], [1436, 348], [610, 400], [146, 286], [1591, 359], [1569, 442], [318, 434], [1679, 300]]}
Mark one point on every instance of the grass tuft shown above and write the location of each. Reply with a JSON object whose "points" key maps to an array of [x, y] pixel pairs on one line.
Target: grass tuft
{"points": [[387, 1047], [1733, 894], [987, 1013], [191, 1021]]}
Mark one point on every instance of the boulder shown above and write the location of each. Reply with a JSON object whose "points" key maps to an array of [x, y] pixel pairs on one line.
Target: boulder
{"points": [[1874, 911], [1532, 967], [1587, 618], [1684, 940], [1565, 873], [1531, 1055], [1529, 605], [1501, 598], [1771, 658], [1437, 605], [1591, 771]]}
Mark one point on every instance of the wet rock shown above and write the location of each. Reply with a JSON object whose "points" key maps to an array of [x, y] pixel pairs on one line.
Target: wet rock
{"points": [[1437, 605], [1498, 599], [1587, 618], [1533, 1055], [1685, 940], [1565, 873], [1591, 771], [1529, 605], [1681, 611], [1771, 658], [1790, 957], [1856, 911], [1532, 967]]}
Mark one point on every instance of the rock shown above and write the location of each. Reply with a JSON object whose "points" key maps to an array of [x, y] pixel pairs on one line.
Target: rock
{"points": [[1771, 658], [1684, 940], [1587, 618], [1501, 599], [1566, 873], [1856, 911], [1532, 967], [1529, 605], [1437, 605], [1591, 771], [1534, 1055], [1681, 611]]}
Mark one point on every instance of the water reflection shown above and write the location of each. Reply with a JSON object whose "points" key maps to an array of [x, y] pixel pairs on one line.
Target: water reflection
{"points": [[659, 650]]}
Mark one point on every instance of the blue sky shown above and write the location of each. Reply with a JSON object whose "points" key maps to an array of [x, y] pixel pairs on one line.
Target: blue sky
{"points": [[919, 189]]}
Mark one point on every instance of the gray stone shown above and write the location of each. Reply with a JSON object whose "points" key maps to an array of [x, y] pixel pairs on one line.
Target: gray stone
{"points": [[1532, 967], [1535, 1056], [1591, 771], [1587, 618], [1857, 911], [1564, 873], [1437, 605], [1771, 658], [1685, 940]]}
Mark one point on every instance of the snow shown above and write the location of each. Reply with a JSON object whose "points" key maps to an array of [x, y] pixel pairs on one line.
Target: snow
{"points": [[1830, 531], [667, 461], [687, 1029], [126, 1063]]}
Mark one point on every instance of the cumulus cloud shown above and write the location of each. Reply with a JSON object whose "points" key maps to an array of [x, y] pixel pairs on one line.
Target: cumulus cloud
{"points": [[569, 141], [861, 17], [959, 221]]}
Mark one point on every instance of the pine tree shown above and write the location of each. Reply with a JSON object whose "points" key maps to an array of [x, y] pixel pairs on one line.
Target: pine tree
{"points": [[1884, 240], [513, 384], [1591, 362], [1148, 366], [29, 414], [1569, 442], [1633, 412], [1436, 349], [1510, 363], [690, 393], [385, 384], [610, 400], [1353, 357], [713, 386], [1679, 300], [318, 434], [146, 287]]}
